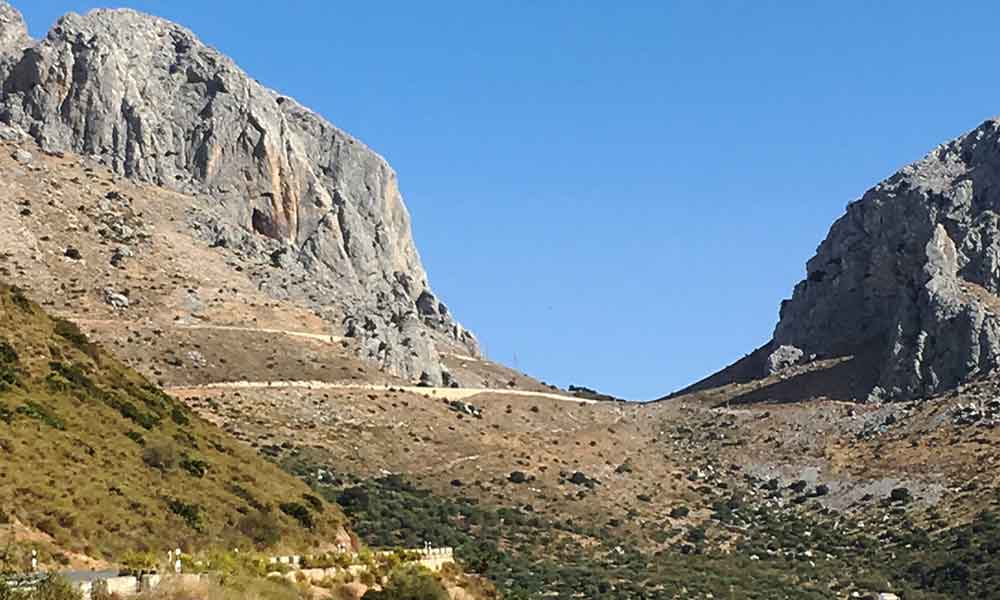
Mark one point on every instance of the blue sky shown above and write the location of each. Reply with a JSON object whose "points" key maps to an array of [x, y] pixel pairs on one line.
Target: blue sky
{"points": [[618, 194]]}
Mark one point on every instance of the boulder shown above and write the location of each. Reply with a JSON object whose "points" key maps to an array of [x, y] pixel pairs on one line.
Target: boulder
{"points": [[22, 156], [115, 300], [782, 358]]}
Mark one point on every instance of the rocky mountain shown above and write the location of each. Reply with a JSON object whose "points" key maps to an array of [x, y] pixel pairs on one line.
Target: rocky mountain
{"points": [[272, 181], [907, 282]]}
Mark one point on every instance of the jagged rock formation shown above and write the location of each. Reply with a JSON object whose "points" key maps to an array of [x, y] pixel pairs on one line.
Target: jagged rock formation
{"points": [[276, 180], [13, 31], [913, 270]]}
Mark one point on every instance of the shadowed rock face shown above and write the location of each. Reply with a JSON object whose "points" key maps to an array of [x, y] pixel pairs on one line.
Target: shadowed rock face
{"points": [[275, 179], [913, 266]]}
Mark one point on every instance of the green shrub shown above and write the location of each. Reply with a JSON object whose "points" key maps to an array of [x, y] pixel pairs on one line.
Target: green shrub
{"points": [[191, 513], [131, 412], [20, 300], [314, 502], [73, 374], [71, 333], [196, 467], [160, 455], [409, 584], [8, 365], [55, 588], [36, 411], [178, 416], [261, 527], [679, 512], [298, 512], [136, 437], [241, 492]]}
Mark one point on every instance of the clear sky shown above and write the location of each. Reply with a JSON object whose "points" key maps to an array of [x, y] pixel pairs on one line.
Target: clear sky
{"points": [[618, 194]]}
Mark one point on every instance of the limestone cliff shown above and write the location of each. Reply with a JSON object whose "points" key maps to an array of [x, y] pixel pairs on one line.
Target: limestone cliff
{"points": [[913, 269], [274, 179]]}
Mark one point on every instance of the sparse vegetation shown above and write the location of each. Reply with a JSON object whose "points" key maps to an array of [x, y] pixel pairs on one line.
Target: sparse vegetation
{"points": [[91, 455], [409, 583], [191, 513], [298, 512]]}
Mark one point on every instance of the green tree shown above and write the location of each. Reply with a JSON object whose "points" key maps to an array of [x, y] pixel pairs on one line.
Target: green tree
{"points": [[409, 583]]}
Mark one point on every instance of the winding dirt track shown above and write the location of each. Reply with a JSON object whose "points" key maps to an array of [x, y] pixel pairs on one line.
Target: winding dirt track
{"points": [[321, 337], [444, 393]]}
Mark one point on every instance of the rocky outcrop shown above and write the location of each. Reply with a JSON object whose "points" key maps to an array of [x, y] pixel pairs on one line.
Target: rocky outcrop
{"points": [[13, 37], [277, 182], [912, 268], [13, 31]]}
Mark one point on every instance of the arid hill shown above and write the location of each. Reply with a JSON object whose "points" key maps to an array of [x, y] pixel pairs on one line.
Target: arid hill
{"points": [[98, 461]]}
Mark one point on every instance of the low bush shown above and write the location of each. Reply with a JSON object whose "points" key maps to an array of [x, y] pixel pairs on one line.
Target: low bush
{"points": [[679, 512], [20, 300], [314, 502], [160, 455], [194, 466], [191, 513], [409, 584], [8, 366], [34, 410], [261, 527], [54, 588], [179, 417], [70, 332], [298, 512]]}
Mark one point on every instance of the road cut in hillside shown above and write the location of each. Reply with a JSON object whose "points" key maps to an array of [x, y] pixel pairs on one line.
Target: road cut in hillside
{"points": [[443, 393]]}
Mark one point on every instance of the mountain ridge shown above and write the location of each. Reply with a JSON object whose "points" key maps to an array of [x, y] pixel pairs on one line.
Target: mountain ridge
{"points": [[275, 179], [908, 278]]}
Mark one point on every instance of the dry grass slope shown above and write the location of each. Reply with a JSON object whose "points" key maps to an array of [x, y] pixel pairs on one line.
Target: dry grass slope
{"points": [[98, 461]]}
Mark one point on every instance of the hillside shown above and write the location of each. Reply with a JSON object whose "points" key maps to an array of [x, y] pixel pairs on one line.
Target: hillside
{"points": [[98, 461]]}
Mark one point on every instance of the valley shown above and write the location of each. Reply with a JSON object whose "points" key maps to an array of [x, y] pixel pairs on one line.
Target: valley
{"points": [[216, 335]]}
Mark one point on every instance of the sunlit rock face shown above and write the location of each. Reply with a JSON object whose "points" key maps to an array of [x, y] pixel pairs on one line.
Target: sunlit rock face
{"points": [[277, 183]]}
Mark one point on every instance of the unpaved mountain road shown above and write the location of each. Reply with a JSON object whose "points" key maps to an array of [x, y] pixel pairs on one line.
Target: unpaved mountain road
{"points": [[443, 393], [320, 337]]}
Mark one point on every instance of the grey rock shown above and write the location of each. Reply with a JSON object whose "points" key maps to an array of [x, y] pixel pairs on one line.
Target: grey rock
{"points": [[911, 274], [785, 356], [277, 184], [13, 30], [22, 156], [13, 38], [116, 300], [120, 254], [11, 134]]}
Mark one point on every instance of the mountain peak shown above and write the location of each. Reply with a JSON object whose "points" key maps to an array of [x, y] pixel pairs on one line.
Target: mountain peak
{"points": [[911, 268], [280, 184]]}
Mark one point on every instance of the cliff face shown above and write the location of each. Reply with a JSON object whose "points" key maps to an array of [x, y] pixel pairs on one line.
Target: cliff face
{"points": [[275, 180], [912, 268]]}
